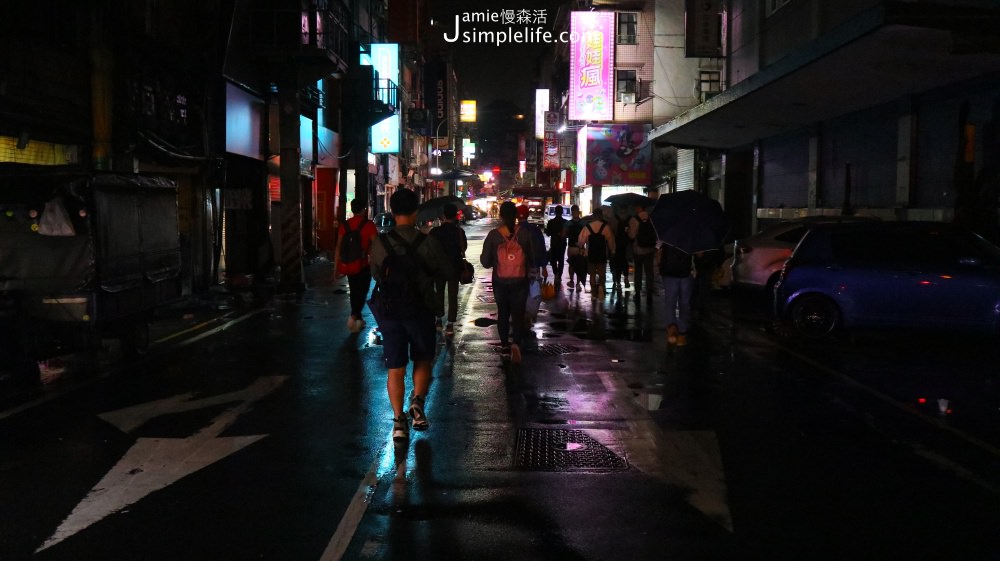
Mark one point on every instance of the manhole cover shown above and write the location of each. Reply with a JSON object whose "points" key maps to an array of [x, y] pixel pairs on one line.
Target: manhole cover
{"points": [[557, 349], [487, 298], [563, 450]]}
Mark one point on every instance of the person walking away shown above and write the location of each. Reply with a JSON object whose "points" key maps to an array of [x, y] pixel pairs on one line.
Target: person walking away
{"points": [[676, 268], [452, 238], [556, 230], [597, 243], [509, 251], [620, 261], [577, 263], [354, 238], [643, 238], [406, 264]]}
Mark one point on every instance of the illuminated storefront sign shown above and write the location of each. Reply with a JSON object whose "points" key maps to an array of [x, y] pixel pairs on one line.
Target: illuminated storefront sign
{"points": [[541, 106], [550, 145], [385, 136], [592, 56], [385, 58], [467, 111], [614, 155]]}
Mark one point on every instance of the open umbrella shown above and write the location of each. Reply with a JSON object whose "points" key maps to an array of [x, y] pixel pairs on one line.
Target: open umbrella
{"points": [[434, 208], [689, 221], [630, 200]]}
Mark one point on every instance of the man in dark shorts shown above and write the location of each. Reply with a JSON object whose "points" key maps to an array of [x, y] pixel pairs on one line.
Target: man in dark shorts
{"points": [[410, 339], [454, 242]]}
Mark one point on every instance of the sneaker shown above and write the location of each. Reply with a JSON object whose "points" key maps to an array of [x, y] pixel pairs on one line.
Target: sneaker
{"points": [[672, 334], [515, 354], [417, 413], [682, 340], [400, 429], [350, 324], [450, 330]]}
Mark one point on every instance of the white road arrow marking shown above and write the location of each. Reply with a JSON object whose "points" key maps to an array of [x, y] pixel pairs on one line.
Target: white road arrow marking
{"points": [[152, 464]]}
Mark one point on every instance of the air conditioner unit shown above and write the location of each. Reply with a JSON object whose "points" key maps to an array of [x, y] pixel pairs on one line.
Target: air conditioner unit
{"points": [[627, 97]]}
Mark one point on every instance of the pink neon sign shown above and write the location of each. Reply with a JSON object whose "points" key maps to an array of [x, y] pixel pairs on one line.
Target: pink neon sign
{"points": [[592, 57]]}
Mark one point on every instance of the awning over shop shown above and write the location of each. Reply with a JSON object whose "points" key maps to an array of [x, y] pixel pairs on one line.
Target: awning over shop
{"points": [[890, 51]]}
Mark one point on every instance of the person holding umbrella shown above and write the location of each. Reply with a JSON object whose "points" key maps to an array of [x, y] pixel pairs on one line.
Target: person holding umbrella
{"points": [[686, 223]]}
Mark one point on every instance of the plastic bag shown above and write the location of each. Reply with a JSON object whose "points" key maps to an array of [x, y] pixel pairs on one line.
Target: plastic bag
{"points": [[534, 298], [55, 220]]}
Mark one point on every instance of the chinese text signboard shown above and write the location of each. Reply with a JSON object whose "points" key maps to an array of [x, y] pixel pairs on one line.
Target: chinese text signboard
{"points": [[592, 59]]}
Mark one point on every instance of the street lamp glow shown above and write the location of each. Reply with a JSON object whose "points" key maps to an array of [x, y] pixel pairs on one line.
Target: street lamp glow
{"points": [[435, 171]]}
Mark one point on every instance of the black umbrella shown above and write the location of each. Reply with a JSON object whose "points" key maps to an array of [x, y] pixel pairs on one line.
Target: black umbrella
{"points": [[630, 200], [689, 221], [434, 208]]}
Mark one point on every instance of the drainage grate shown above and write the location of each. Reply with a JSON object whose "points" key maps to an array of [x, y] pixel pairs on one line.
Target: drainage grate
{"points": [[563, 450], [487, 298], [552, 349]]}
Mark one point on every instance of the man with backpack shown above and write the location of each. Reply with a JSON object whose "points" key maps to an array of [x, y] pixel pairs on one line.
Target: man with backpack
{"points": [[556, 230], [510, 251], [354, 239], [643, 236], [577, 262], [452, 238], [406, 263], [597, 243]]}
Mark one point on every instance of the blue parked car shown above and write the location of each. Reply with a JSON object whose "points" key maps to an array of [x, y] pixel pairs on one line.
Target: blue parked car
{"points": [[923, 275]]}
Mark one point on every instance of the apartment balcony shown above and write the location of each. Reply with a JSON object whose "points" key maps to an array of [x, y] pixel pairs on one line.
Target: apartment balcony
{"points": [[317, 39]]}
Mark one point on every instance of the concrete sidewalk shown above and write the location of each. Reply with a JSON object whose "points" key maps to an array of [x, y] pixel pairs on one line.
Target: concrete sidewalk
{"points": [[559, 457]]}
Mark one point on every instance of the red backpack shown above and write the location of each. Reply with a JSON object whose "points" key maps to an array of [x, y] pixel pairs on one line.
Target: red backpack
{"points": [[510, 258]]}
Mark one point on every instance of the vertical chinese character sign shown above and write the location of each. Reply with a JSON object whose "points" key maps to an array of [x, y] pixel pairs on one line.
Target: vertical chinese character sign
{"points": [[550, 144], [592, 56]]}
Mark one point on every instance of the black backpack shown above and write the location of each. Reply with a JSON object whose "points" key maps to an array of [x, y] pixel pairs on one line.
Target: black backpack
{"points": [[352, 249], [646, 236], [597, 245], [675, 263], [397, 294]]}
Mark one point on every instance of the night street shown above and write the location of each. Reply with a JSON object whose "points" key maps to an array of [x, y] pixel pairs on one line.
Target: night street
{"points": [[268, 439]]}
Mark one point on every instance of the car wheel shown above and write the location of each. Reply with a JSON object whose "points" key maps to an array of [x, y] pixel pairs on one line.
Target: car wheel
{"points": [[814, 316]]}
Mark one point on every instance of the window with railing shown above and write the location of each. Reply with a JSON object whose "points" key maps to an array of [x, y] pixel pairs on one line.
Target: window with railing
{"points": [[628, 28], [627, 86]]}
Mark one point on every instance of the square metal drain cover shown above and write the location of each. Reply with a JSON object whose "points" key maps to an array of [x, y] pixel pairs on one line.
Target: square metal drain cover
{"points": [[563, 450], [557, 349]]}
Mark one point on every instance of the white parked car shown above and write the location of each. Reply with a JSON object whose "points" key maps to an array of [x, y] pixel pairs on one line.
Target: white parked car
{"points": [[754, 262]]}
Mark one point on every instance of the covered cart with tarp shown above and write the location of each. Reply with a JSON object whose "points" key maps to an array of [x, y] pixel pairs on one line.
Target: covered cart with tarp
{"points": [[82, 258]]}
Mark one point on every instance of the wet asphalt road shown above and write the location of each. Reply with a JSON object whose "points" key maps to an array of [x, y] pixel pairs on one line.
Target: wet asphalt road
{"points": [[267, 438]]}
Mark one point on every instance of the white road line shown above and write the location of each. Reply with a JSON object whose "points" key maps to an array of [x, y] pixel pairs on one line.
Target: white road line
{"points": [[349, 523]]}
